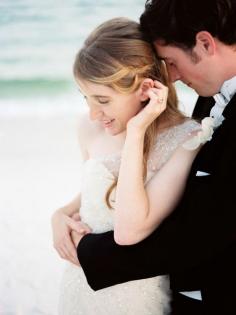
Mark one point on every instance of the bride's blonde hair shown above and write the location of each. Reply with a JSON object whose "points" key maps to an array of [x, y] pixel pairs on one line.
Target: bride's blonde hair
{"points": [[116, 55]]}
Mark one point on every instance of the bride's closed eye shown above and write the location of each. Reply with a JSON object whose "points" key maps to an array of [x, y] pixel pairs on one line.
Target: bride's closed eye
{"points": [[103, 101]]}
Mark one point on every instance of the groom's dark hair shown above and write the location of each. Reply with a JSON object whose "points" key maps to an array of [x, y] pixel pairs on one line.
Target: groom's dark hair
{"points": [[177, 22]]}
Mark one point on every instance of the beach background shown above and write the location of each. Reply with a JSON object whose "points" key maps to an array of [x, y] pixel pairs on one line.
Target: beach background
{"points": [[39, 157]]}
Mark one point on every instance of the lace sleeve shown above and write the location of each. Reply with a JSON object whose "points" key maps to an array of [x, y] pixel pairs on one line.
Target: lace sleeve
{"points": [[164, 147], [166, 144]]}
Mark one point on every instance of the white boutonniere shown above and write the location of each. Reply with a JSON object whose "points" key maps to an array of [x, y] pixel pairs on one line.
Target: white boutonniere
{"points": [[209, 124]]}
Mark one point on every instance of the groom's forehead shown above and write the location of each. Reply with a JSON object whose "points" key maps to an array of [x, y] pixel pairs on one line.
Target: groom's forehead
{"points": [[167, 51]]}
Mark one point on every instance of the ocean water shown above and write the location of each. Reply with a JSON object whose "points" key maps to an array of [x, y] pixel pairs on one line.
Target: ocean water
{"points": [[39, 40]]}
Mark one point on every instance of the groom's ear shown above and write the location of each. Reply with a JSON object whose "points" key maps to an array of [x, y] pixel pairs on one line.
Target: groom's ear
{"points": [[145, 85], [205, 43]]}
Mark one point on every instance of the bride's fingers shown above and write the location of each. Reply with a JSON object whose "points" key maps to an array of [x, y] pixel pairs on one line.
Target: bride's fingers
{"points": [[78, 226], [68, 255], [73, 224], [161, 93], [83, 228], [61, 253], [66, 249], [159, 85], [157, 96], [76, 216], [75, 262], [160, 89], [70, 249], [157, 103]]}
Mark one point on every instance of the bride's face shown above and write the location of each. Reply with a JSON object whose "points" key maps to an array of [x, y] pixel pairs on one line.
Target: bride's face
{"points": [[110, 108]]}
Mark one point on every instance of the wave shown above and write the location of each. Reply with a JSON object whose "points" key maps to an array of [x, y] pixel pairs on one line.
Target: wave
{"points": [[28, 88]]}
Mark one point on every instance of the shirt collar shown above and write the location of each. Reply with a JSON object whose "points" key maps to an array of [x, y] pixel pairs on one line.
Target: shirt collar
{"points": [[227, 91], [222, 99]]}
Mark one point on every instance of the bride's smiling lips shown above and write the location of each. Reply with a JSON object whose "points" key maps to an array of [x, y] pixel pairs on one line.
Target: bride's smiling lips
{"points": [[107, 123]]}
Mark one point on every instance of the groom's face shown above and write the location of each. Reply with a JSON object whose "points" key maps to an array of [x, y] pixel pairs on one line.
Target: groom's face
{"points": [[194, 69]]}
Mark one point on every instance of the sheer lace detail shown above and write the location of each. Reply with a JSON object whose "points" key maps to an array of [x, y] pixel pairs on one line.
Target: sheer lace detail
{"points": [[166, 143]]}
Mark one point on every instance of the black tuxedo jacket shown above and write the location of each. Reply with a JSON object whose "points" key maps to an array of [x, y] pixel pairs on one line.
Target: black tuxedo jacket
{"points": [[196, 244]]}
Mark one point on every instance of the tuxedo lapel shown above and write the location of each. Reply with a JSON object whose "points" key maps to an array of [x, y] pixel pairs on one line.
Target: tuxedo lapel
{"points": [[230, 111], [206, 160], [203, 107]]}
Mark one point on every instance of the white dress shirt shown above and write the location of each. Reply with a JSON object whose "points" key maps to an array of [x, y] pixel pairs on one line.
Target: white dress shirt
{"points": [[222, 98]]}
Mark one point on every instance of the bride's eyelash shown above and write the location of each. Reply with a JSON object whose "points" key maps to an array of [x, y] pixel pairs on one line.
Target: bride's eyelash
{"points": [[103, 102], [98, 100]]}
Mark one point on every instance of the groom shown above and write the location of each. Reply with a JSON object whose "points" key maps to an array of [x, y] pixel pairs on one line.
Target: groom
{"points": [[196, 244]]}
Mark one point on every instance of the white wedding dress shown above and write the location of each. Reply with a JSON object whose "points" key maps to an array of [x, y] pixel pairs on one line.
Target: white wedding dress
{"points": [[140, 297]]}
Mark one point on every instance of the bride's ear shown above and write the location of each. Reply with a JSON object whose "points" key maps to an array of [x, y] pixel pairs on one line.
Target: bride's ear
{"points": [[145, 85]]}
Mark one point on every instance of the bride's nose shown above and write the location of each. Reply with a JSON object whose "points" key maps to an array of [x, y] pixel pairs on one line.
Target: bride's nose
{"points": [[95, 113]]}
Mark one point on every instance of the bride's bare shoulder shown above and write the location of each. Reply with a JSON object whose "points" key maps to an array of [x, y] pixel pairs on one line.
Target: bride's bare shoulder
{"points": [[88, 132]]}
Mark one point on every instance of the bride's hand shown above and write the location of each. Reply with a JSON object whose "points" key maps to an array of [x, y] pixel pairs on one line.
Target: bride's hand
{"points": [[76, 237], [62, 225], [157, 104]]}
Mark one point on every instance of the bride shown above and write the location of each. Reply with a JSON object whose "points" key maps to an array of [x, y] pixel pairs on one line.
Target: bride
{"points": [[130, 141]]}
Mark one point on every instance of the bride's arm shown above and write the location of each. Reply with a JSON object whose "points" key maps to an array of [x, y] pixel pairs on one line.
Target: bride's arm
{"points": [[71, 208], [138, 209]]}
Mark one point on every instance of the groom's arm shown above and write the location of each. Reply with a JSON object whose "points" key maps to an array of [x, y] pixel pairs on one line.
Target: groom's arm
{"points": [[106, 263]]}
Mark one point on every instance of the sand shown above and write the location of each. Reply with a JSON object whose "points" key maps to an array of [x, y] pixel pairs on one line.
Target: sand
{"points": [[39, 172]]}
